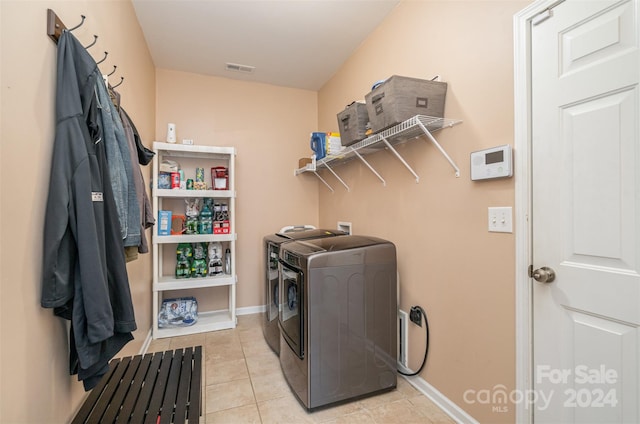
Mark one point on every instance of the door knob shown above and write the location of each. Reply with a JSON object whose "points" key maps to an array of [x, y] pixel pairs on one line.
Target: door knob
{"points": [[543, 275]]}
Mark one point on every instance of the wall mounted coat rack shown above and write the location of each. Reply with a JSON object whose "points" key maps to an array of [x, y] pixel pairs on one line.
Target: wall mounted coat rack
{"points": [[55, 26]]}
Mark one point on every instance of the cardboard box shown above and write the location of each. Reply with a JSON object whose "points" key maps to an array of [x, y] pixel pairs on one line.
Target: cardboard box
{"points": [[199, 185], [178, 224], [164, 223], [221, 227], [302, 162], [164, 180], [400, 98], [333, 143]]}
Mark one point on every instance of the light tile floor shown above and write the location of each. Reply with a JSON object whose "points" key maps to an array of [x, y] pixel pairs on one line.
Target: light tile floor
{"points": [[244, 384]]}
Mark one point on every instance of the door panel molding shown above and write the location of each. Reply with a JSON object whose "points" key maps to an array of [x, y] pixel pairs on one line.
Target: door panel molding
{"points": [[617, 257]]}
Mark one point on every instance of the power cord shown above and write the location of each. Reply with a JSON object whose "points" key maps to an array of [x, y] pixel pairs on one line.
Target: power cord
{"points": [[415, 317]]}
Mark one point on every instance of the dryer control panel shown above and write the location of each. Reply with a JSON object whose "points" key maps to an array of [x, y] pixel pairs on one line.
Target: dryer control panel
{"points": [[292, 259]]}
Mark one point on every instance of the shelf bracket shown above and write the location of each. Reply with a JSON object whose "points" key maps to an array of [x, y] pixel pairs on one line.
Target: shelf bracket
{"points": [[384, 183], [322, 179], [404, 162], [308, 167], [435, 143], [337, 176]]}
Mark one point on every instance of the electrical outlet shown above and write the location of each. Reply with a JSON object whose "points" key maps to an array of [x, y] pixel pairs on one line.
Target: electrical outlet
{"points": [[415, 315], [344, 226]]}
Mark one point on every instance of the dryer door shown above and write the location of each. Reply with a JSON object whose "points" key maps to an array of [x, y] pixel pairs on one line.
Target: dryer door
{"points": [[291, 308]]}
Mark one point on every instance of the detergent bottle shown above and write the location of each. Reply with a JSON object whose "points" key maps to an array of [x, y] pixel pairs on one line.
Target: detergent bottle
{"points": [[318, 144], [184, 259]]}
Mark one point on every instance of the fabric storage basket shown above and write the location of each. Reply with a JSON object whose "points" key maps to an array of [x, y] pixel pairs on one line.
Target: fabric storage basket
{"points": [[352, 123], [400, 98]]}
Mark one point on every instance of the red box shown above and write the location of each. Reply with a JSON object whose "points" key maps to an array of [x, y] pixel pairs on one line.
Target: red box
{"points": [[221, 227], [220, 178]]}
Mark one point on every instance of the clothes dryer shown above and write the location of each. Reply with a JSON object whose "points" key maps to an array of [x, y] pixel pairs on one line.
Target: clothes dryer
{"points": [[338, 320], [272, 243]]}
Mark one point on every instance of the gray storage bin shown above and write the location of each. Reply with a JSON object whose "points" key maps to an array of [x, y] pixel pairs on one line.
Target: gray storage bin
{"points": [[352, 123], [400, 98]]}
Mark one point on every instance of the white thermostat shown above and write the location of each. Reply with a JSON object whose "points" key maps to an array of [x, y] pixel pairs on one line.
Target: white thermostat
{"points": [[492, 163]]}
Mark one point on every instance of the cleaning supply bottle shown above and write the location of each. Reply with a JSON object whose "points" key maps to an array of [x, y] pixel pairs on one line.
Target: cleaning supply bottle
{"points": [[318, 144], [227, 261], [184, 257], [199, 263], [215, 258], [205, 219]]}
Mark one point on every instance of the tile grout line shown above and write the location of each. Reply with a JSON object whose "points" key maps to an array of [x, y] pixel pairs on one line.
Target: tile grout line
{"points": [[250, 349], [253, 389]]}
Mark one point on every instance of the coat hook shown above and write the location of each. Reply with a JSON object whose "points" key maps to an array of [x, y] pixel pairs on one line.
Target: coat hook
{"points": [[112, 72], [118, 84], [104, 58], [95, 39], [80, 24]]}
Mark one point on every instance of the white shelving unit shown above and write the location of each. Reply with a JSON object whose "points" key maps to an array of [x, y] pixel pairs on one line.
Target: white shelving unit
{"points": [[410, 129], [169, 199]]}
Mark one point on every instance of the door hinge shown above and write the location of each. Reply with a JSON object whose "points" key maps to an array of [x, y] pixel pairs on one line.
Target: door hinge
{"points": [[541, 17], [545, 14], [530, 271]]}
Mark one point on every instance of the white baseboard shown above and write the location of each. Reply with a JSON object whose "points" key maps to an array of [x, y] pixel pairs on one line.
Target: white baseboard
{"points": [[145, 345], [443, 402], [248, 310]]}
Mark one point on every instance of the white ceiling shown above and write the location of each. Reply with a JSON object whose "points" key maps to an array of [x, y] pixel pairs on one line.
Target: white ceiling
{"points": [[291, 43]]}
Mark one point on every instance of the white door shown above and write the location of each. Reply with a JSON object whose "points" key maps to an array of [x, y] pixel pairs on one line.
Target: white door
{"points": [[586, 212]]}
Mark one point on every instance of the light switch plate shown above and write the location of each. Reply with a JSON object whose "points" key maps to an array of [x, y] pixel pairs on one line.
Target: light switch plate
{"points": [[500, 220]]}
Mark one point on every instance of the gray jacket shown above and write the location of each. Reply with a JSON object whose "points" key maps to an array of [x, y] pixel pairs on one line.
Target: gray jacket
{"points": [[84, 276]]}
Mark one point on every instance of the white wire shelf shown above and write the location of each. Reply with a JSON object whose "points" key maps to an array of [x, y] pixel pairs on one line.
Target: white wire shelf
{"points": [[410, 129]]}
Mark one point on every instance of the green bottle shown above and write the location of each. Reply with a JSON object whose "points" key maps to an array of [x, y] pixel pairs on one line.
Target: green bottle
{"points": [[199, 264], [184, 258], [205, 220]]}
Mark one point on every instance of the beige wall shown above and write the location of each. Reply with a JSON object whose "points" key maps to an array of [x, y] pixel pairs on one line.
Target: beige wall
{"points": [[35, 385], [449, 264], [269, 126]]}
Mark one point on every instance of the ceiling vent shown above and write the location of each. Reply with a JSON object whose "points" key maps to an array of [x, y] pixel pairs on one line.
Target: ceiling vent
{"points": [[240, 68]]}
